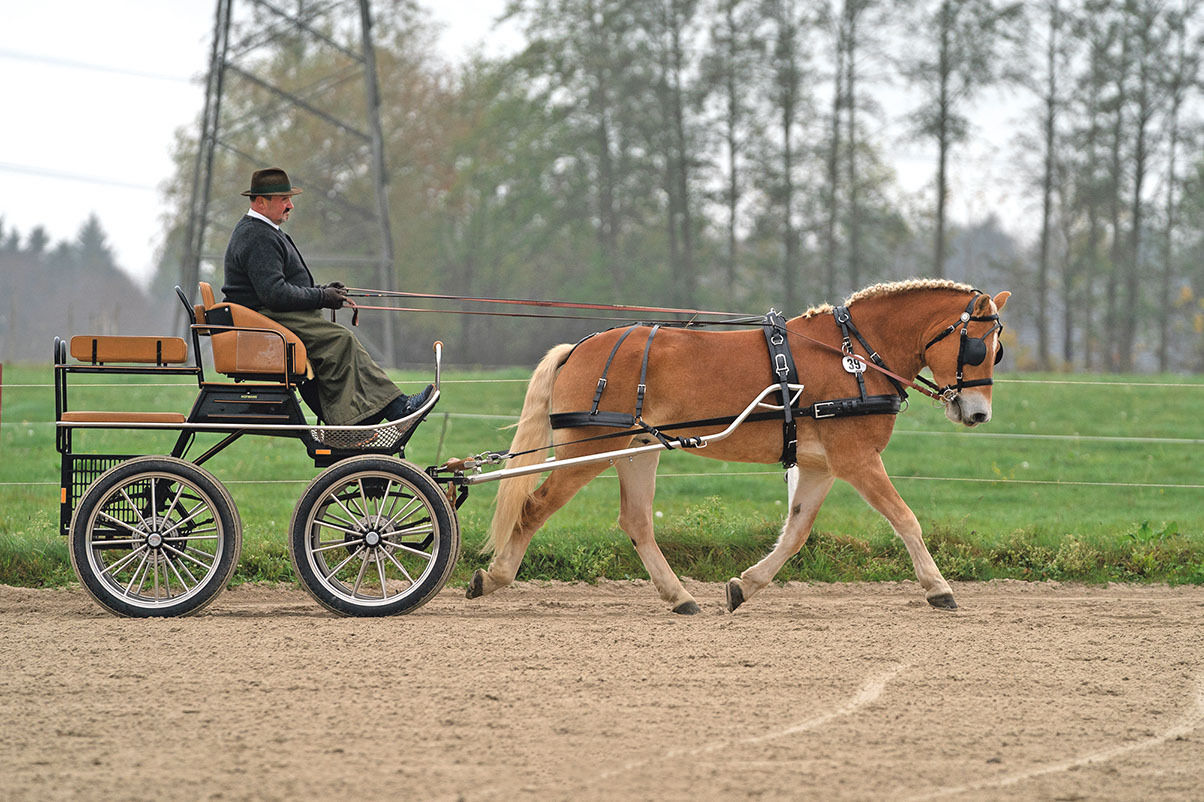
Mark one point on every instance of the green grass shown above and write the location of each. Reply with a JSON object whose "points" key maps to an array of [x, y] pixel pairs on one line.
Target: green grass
{"points": [[1004, 500]]}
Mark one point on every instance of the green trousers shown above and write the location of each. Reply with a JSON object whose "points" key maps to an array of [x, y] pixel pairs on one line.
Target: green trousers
{"points": [[351, 386]]}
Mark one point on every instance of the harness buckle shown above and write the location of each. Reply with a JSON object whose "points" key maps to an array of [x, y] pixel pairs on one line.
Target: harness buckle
{"points": [[820, 415], [780, 366]]}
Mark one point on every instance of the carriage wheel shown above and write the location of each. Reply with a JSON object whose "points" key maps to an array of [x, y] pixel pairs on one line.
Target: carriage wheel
{"points": [[373, 536], [155, 536]]}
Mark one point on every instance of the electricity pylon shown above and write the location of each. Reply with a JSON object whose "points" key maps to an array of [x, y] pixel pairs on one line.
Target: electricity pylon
{"points": [[226, 62]]}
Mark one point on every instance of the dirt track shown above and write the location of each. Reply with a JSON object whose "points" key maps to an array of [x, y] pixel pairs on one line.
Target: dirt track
{"points": [[558, 691]]}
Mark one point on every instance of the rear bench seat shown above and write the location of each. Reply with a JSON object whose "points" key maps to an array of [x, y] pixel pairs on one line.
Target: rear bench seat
{"points": [[115, 352]]}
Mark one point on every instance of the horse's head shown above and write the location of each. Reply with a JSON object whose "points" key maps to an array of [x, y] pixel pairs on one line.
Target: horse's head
{"points": [[962, 358]]}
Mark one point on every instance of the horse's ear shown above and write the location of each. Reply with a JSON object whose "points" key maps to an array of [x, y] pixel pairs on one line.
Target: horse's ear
{"points": [[1001, 299]]}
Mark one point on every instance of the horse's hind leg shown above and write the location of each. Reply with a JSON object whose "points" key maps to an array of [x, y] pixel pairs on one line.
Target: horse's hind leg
{"points": [[560, 486], [807, 494], [637, 486]]}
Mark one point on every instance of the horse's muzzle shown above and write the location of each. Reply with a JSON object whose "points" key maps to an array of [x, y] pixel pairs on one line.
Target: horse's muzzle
{"points": [[968, 410]]}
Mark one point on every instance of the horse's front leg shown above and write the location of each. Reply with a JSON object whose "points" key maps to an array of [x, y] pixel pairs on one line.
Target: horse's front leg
{"points": [[871, 481], [809, 487], [637, 487]]}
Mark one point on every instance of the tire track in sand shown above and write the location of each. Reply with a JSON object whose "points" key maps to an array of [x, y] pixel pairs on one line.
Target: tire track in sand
{"points": [[1190, 721]]}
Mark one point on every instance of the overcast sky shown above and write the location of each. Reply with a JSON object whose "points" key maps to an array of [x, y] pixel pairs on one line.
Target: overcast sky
{"points": [[94, 93]]}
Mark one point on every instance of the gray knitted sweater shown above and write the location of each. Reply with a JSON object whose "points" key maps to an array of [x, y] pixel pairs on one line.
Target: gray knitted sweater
{"points": [[264, 270]]}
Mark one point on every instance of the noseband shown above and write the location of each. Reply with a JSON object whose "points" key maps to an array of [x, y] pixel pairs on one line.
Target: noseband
{"points": [[971, 351]]}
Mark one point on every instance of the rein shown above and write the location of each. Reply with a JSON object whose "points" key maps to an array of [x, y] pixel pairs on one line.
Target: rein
{"points": [[359, 292], [873, 361]]}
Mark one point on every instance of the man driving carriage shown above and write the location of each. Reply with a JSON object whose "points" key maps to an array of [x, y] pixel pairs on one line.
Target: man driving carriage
{"points": [[265, 271]]}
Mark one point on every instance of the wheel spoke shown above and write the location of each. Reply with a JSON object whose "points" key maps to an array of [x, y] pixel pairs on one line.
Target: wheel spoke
{"points": [[334, 544], [117, 566], [155, 575], [185, 555], [129, 589], [343, 529], [194, 512], [346, 560], [167, 561], [411, 550], [133, 507], [380, 571], [400, 567], [171, 508], [118, 522], [359, 578], [415, 503], [182, 565]]}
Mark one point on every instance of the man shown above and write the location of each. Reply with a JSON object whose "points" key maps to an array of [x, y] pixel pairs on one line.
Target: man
{"points": [[265, 271]]}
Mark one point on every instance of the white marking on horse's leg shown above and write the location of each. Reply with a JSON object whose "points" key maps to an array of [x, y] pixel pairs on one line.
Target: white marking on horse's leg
{"points": [[808, 491], [876, 488], [1190, 721], [637, 488]]}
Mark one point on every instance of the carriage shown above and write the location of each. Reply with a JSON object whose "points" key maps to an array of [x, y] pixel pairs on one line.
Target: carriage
{"points": [[373, 534]]}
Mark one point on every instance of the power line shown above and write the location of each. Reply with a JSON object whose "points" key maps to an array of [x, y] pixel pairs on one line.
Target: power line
{"points": [[42, 172], [54, 61]]}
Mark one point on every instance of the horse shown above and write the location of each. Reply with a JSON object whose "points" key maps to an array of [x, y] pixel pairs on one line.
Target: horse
{"points": [[683, 374]]}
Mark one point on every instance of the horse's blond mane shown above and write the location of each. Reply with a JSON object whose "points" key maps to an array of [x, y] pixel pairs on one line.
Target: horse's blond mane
{"points": [[892, 288]]}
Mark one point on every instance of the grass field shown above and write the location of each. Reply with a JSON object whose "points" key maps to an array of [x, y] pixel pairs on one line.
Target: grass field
{"points": [[1076, 478]]}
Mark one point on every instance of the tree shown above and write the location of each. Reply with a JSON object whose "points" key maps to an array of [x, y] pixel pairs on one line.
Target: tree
{"points": [[787, 102], [1181, 79], [730, 69], [972, 44], [672, 138], [1051, 103]]}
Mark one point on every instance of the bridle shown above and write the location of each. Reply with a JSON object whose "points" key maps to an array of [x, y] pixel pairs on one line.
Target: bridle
{"points": [[971, 350]]}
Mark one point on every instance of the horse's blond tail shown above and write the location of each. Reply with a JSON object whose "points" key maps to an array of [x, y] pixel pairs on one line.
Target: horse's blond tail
{"points": [[534, 430]]}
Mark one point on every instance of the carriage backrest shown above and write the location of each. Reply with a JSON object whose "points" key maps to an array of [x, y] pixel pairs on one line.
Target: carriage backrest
{"points": [[254, 346], [109, 349]]}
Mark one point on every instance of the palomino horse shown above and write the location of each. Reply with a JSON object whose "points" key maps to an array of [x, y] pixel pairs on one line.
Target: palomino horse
{"points": [[691, 375]]}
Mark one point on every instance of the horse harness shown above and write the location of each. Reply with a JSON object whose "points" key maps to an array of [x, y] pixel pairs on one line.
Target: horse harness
{"points": [[972, 351]]}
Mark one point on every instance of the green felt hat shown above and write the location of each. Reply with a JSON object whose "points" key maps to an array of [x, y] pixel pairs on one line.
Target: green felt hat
{"points": [[271, 181]]}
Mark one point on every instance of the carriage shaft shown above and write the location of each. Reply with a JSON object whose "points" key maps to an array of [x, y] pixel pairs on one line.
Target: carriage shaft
{"points": [[552, 463]]}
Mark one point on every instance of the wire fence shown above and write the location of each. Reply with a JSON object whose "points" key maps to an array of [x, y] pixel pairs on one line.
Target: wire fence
{"points": [[1072, 437]]}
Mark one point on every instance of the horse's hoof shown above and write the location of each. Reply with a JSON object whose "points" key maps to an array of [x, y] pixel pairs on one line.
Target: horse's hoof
{"points": [[735, 596], [943, 602], [476, 585], [687, 608]]}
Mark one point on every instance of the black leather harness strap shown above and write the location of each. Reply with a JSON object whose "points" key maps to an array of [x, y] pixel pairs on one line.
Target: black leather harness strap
{"points": [[781, 362], [621, 420], [606, 369]]}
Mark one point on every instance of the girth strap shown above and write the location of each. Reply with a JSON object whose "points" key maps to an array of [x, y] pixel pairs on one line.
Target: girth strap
{"points": [[782, 364]]}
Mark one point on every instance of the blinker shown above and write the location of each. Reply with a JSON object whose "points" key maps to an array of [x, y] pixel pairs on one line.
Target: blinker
{"points": [[974, 350]]}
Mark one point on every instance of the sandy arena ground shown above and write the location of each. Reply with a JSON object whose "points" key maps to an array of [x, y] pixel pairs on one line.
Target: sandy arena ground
{"points": [[557, 691]]}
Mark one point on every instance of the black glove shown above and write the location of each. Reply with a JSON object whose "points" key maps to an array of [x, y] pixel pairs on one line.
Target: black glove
{"points": [[333, 297], [338, 285]]}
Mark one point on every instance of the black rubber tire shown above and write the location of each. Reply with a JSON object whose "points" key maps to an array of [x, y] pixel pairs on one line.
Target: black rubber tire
{"points": [[157, 521], [373, 536]]}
